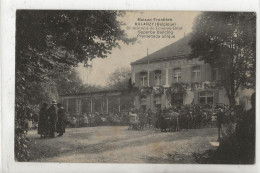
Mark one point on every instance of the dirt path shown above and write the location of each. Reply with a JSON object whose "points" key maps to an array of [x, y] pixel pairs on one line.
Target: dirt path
{"points": [[116, 144]]}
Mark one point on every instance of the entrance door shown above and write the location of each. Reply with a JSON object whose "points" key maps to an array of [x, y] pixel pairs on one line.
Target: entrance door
{"points": [[177, 99]]}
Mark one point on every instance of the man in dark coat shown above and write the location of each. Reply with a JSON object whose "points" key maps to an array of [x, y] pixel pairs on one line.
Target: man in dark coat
{"points": [[52, 118], [43, 121], [61, 122], [163, 123]]}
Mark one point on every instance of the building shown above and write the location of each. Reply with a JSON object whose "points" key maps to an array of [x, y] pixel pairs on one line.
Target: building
{"points": [[105, 101], [165, 78], [169, 77]]}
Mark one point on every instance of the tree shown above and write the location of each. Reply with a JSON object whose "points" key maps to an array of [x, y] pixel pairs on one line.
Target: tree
{"points": [[70, 83], [49, 43], [119, 79], [227, 41]]}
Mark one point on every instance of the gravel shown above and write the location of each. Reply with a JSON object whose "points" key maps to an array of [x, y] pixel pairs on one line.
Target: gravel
{"points": [[117, 144]]}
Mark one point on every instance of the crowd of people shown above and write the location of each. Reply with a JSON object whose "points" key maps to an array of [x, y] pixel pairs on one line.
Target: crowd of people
{"points": [[55, 119], [167, 119], [185, 117], [51, 120], [97, 119]]}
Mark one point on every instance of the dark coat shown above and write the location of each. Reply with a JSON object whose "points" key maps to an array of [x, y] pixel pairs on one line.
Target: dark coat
{"points": [[60, 128], [43, 120], [52, 117], [244, 138], [220, 118]]}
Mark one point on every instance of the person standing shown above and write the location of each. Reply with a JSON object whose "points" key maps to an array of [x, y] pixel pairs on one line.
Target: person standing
{"points": [[43, 120], [85, 120], [52, 118], [220, 121], [61, 122]]}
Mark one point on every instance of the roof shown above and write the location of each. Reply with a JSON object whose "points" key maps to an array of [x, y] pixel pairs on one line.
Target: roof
{"points": [[174, 50]]}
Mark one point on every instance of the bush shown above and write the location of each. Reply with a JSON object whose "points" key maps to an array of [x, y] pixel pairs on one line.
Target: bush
{"points": [[21, 145]]}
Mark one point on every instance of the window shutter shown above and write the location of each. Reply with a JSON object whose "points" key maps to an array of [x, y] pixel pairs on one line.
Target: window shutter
{"points": [[170, 76], [163, 76]]}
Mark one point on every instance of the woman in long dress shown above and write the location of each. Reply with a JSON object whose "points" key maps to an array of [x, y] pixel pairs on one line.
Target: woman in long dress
{"points": [[43, 120]]}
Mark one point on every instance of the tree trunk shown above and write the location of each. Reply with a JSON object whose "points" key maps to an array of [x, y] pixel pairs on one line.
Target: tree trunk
{"points": [[232, 100], [230, 90]]}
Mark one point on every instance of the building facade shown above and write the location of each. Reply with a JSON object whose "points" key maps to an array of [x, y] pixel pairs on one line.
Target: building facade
{"points": [[165, 78], [105, 101], [170, 77]]}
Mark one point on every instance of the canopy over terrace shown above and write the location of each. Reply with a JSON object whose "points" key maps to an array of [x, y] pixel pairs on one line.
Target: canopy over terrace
{"points": [[98, 101]]}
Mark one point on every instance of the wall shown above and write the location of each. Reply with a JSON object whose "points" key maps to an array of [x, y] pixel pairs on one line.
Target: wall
{"points": [[223, 97], [167, 66]]}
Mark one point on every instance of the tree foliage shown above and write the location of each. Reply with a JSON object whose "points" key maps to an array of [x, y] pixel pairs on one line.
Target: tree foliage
{"points": [[48, 44], [119, 79], [70, 83], [227, 41]]}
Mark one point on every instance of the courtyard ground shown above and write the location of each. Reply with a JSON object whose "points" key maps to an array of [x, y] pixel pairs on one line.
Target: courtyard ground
{"points": [[117, 144]]}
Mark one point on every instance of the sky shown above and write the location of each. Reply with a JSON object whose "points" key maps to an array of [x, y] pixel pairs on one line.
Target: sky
{"points": [[122, 57]]}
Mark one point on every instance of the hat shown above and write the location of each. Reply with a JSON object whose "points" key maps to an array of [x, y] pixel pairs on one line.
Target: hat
{"points": [[53, 102]]}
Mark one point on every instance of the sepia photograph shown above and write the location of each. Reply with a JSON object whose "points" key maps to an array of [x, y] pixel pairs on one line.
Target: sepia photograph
{"points": [[101, 86], [149, 87]]}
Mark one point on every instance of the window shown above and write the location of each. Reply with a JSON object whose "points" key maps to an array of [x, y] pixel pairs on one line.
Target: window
{"points": [[144, 79], [158, 77], [78, 104], [177, 75], [206, 97], [196, 73], [72, 105]]}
